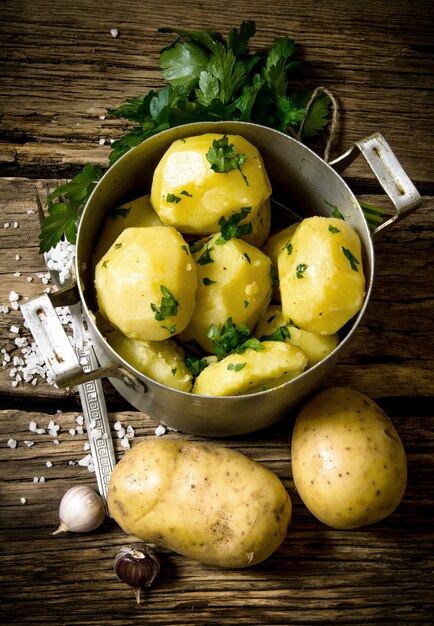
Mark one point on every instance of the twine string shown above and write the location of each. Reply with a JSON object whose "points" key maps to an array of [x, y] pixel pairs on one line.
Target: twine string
{"points": [[332, 124]]}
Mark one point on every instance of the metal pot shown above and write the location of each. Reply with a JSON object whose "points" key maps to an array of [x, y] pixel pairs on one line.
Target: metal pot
{"points": [[301, 180]]}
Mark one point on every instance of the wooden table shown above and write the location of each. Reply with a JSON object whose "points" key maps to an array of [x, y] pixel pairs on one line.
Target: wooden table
{"points": [[61, 69]]}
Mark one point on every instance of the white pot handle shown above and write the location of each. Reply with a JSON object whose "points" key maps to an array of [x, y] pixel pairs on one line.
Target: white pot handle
{"points": [[389, 173]]}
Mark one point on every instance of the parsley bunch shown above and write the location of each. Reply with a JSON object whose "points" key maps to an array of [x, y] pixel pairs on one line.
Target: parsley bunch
{"points": [[208, 78]]}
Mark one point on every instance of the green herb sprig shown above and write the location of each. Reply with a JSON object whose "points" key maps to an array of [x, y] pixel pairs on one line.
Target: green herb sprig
{"points": [[209, 77]]}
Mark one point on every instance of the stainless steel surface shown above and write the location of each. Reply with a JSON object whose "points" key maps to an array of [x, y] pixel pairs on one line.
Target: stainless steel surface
{"points": [[302, 181], [389, 173]]}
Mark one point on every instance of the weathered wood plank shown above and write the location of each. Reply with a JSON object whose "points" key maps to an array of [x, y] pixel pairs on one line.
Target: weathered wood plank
{"points": [[65, 69], [323, 571]]}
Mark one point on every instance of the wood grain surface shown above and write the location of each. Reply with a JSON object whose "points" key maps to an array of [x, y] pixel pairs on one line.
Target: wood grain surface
{"points": [[61, 69]]}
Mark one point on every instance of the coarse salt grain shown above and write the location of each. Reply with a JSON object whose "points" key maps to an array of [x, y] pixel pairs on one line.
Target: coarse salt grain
{"points": [[23, 500], [160, 430], [114, 32], [48, 464], [28, 443], [12, 443]]}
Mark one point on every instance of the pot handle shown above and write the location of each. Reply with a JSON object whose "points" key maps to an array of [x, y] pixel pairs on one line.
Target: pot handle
{"points": [[389, 173], [55, 346]]}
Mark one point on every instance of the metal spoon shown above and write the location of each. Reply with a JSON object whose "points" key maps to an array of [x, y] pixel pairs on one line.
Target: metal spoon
{"points": [[91, 393]]}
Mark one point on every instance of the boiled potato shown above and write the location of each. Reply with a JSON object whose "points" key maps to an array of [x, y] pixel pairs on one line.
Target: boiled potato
{"points": [[146, 283], [348, 462], [138, 212], [163, 361], [315, 346], [234, 280], [321, 279], [251, 371], [279, 241], [203, 501], [261, 224], [188, 194]]}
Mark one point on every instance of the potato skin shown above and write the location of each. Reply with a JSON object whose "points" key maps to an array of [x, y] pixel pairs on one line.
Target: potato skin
{"points": [[202, 500], [348, 462]]}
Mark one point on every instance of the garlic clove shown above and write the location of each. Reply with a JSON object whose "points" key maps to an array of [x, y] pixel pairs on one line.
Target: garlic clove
{"points": [[81, 510], [137, 565]]}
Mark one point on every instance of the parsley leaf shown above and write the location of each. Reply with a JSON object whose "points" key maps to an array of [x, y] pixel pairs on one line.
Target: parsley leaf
{"points": [[280, 334], [227, 339], [230, 229], [195, 364], [63, 215], [168, 306], [354, 262], [222, 158]]}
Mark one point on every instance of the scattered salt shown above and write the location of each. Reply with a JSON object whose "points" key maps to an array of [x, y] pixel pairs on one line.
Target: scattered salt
{"points": [[160, 430], [114, 32], [28, 443], [48, 464], [23, 500], [80, 420], [12, 443], [125, 443]]}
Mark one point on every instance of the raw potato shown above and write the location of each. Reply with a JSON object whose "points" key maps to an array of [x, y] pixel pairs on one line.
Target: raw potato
{"points": [[322, 285], [203, 501], [188, 194], [138, 212], [162, 361], [251, 371], [315, 346], [348, 462], [235, 281], [131, 277]]}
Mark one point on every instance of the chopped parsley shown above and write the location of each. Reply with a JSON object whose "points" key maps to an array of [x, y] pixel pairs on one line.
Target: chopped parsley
{"points": [[172, 198], [351, 258], [231, 229], [118, 245], [227, 338], [288, 248], [184, 192], [207, 281], [223, 159], [169, 306], [333, 229], [280, 334], [236, 367], [300, 270], [195, 364], [116, 212]]}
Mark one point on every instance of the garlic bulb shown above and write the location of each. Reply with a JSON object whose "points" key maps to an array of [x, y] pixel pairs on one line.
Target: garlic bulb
{"points": [[81, 510], [137, 565]]}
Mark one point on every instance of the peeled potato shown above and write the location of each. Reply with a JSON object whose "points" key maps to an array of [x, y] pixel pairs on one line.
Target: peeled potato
{"points": [[189, 195], [278, 241], [163, 361], [146, 283], [251, 371], [315, 346], [321, 279], [260, 226], [138, 212], [234, 280], [348, 462]]}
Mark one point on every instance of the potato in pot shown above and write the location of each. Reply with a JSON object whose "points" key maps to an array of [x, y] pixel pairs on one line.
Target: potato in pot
{"points": [[321, 279], [234, 280], [204, 501], [138, 212], [315, 346], [251, 371], [146, 283], [190, 192], [163, 361]]}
